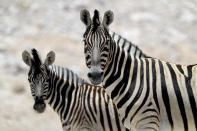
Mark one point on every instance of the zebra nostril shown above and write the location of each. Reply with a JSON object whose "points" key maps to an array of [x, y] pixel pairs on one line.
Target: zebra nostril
{"points": [[89, 75]]}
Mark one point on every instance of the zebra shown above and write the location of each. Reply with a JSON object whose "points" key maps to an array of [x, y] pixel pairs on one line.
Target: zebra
{"points": [[80, 106], [150, 94]]}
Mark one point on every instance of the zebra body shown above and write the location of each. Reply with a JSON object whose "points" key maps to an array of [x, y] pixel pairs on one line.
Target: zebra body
{"points": [[154, 94], [150, 94], [80, 106]]}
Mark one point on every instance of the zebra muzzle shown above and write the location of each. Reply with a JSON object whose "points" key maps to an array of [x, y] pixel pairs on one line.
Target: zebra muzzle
{"points": [[39, 105], [96, 77]]}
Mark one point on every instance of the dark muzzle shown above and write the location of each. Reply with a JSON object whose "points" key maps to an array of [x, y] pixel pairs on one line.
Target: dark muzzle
{"points": [[39, 105], [96, 77]]}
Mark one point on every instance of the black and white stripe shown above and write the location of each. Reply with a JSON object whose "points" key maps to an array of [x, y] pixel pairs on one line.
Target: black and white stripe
{"points": [[127, 46], [152, 94]]}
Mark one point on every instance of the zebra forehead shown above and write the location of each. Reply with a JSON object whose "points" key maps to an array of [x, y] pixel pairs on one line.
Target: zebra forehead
{"points": [[34, 72], [99, 34]]}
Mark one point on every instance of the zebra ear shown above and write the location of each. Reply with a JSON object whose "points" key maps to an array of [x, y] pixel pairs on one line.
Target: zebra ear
{"points": [[50, 58], [85, 17], [108, 18], [27, 58]]}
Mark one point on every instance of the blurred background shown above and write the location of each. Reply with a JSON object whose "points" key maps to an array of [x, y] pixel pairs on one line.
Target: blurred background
{"points": [[165, 29]]}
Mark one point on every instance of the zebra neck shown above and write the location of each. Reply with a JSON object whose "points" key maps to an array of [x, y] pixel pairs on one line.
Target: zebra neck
{"points": [[126, 45], [63, 83], [114, 50], [117, 68]]}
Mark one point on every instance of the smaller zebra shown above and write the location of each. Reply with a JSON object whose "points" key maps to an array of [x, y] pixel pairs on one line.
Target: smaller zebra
{"points": [[81, 106]]}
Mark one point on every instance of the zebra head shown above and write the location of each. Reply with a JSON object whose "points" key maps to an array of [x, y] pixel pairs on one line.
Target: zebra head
{"points": [[38, 77], [97, 43]]}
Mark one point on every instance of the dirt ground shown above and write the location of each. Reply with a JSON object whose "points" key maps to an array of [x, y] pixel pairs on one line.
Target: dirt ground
{"points": [[161, 28]]}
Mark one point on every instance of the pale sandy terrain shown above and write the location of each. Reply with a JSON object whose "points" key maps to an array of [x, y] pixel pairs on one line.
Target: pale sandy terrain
{"points": [[162, 28]]}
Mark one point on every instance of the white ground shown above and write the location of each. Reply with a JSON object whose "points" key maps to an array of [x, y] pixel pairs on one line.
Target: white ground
{"points": [[164, 29]]}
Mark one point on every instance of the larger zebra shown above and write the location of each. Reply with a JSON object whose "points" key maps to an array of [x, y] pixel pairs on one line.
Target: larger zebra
{"points": [[81, 106], [150, 94]]}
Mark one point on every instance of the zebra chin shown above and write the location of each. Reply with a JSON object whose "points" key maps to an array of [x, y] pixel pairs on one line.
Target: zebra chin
{"points": [[39, 107]]}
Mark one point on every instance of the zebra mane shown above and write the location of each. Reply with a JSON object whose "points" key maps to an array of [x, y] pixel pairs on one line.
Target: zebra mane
{"points": [[96, 21], [36, 58], [36, 61]]}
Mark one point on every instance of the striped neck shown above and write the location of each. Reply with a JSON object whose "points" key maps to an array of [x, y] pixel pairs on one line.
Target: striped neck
{"points": [[63, 83], [126, 45], [114, 68]]}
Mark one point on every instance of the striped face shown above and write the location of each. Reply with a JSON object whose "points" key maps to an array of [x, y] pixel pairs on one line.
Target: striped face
{"points": [[97, 43], [97, 47], [38, 77], [39, 84]]}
